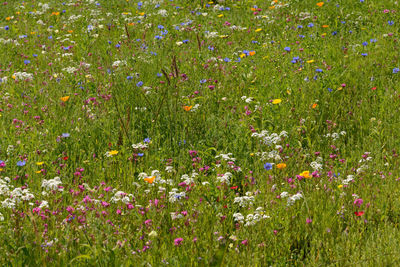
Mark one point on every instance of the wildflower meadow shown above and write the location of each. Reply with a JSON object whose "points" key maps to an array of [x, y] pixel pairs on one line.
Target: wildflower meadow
{"points": [[199, 133]]}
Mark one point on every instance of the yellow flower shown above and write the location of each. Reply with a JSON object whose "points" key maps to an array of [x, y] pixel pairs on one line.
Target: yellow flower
{"points": [[276, 101], [281, 166], [113, 152], [310, 61], [40, 163], [258, 30], [38, 171], [305, 174], [220, 15], [340, 186]]}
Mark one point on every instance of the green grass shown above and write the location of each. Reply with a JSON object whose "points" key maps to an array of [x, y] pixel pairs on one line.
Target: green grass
{"points": [[134, 109]]}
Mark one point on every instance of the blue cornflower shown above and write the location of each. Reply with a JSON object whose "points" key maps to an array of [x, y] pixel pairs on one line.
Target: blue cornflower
{"points": [[159, 74], [139, 84], [140, 154], [310, 25], [319, 70], [365, 43], [268, 166], [21, 163], [287, 49], [334, 33], [396, 70], [203, 81], [160, 27], [364, 54], [129, 78], [147, 140], [390, 22], [227, 59], [210, 48], [158, 37], [6, 28], [117, 45], [373, 40], [26, 61], [185, 41], [65, 135]]}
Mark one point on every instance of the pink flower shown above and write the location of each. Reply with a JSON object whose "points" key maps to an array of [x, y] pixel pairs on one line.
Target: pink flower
{"points": [[245, 242], [358, 202], [178, 241]]}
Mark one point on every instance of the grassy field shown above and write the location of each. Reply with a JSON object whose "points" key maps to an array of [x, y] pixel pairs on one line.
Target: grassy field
{"points": [[195, 133]]}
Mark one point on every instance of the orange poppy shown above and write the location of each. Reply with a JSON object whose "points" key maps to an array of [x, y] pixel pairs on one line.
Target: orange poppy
{"points": [[187, 108], [64, 98], [281, 165], [150, 180], [320, 4]]}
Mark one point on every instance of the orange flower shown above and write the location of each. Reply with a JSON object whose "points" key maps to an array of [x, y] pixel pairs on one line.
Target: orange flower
{"points": [[320, 4], [150, 180], [64, 98], [314, 105], [252, 53], [305, 174], [281, 166], [187, 108], [325, 26]]}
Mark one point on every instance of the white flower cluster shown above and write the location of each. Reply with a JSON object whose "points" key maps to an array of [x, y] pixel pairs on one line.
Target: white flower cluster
{"points": [[175, 196], [294, 198], [22, 76], [269, 139], [317, 164], [189, 179], [244, 201], [258, 215], [16, 196], [247, 99], [52, 184], [238, 217], [226, 157], [70, 69], [274, 155], [121, 196], [139, 146], [348, 179], [226, 178], [118, 63], [335, 136]]}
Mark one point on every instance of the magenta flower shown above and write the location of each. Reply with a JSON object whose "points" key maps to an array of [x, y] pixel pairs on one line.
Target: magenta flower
{"points": [[178, 241], [358, 202]]}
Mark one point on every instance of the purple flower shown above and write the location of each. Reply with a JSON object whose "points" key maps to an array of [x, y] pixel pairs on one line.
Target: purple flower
{"points": [[139, 84]]}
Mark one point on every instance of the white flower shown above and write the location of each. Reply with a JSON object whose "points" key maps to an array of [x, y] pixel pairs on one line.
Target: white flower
{"points": [[52, 184]]}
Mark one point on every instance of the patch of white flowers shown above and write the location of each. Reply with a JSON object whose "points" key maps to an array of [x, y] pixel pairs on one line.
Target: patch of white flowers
{"points": [[269, 138], [52, 184], [225, 178], [244, 201]]}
